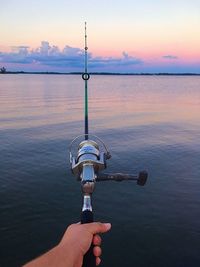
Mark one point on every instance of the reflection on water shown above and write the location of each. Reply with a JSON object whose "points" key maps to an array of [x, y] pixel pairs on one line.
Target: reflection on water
{"points": [[132, 100], [148, 122]]}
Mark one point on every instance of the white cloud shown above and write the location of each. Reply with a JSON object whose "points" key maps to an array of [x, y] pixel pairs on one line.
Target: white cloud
{"points": [[70, 57], [45, 47], [72, 51]]}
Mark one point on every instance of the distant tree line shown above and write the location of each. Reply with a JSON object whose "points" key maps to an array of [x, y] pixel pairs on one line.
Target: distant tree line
{"points": [[3, 70]]}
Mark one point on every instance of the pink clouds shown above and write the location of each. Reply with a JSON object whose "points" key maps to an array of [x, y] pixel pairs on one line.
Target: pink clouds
{"points": [[49, 57]]}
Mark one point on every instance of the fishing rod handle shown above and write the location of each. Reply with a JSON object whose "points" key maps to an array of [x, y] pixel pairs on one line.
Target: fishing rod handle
{"points": [[89, 259]]}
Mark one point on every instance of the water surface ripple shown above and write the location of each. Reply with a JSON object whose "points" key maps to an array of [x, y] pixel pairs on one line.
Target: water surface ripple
{"points": [[148, 122]]}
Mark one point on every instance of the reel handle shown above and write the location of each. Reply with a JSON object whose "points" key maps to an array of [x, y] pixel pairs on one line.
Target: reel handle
{"points": [[141, 178], [89, 259]]}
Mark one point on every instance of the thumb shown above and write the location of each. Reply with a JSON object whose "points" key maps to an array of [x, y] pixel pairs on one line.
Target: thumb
{"points": [[97, 227]]}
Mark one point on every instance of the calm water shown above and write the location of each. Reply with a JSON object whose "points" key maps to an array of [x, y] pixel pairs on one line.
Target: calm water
{"points": [[148, 122]]}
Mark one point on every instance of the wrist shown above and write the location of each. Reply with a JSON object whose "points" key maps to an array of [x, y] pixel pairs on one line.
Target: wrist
{"points": [[68, 254], [57, 256]]}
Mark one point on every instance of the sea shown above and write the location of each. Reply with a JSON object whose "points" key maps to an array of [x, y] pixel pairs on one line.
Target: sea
{"points": [[148, 123]]}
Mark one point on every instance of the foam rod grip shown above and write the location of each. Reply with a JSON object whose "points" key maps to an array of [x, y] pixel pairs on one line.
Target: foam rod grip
{"points": [[89, 259]]}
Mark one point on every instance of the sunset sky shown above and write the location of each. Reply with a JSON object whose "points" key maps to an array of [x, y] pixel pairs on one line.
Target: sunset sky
{"points": [[123, 36]]}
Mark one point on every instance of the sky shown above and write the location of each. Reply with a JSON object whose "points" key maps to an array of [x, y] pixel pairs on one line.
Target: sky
{"points": [[123, 35]]}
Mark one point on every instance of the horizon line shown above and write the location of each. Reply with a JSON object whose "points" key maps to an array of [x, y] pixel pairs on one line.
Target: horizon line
{"points": [[101, 73]]}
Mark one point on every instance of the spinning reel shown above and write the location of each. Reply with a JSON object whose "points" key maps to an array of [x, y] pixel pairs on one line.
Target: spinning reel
{"points": [[89, 162]]}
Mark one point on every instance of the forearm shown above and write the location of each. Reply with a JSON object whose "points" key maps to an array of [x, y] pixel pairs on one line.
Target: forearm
{"points": [[56, 257]]}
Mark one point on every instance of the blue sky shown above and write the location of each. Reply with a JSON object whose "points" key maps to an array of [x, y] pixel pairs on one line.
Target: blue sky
{"points": [[123, 36]]}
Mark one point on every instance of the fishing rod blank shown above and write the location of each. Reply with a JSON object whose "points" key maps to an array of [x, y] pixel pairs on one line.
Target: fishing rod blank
{"points": [[86, 77]]}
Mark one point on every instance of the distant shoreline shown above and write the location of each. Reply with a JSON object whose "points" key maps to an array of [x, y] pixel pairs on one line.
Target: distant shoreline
{"points": [[103, 73]]}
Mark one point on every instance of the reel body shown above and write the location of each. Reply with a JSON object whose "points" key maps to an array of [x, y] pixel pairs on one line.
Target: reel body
{"points": [[88, 156], [87, 164]]}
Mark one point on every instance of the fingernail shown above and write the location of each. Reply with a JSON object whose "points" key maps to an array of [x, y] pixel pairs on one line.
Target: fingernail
{"points": [[107, 225]]}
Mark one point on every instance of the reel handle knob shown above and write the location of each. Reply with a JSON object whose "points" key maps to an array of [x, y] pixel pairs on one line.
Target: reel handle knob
{"points": [[142, 178], [89, 259]]}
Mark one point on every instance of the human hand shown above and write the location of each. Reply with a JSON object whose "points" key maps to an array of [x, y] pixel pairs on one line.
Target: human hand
{"points": [[73, 246], [79, 238]]}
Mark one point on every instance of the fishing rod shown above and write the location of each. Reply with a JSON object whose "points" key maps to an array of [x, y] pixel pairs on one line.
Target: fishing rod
{"points": [[90, 159], [86, 77]]}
